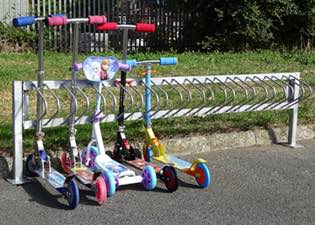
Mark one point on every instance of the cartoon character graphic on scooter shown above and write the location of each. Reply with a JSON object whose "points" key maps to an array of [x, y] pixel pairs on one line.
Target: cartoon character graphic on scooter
{"points": [[104, 69]]}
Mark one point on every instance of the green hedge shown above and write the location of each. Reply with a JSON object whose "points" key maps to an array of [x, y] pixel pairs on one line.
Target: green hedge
{"points": [[246, 25]]}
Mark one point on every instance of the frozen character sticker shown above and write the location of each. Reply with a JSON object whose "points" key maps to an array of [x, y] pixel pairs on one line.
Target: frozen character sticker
{"points": [[100, 69], [96, 68], [104, 69]]}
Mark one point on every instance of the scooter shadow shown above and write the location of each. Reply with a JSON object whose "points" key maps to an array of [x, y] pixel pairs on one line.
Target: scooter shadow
{"points": [[85, 200], [184, 184], [41, 195], [139, 187]]}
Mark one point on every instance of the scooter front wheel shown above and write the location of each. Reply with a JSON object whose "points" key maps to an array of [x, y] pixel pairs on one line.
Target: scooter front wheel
{"points": [[149, 179], [170, 178], [72, 193], [100, 190], [202, 175], [110, 182]]}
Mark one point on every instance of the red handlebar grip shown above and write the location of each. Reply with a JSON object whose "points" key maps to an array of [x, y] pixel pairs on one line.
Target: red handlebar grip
{"points": [[57, 21], [97, 19], [107, 26], [145, 27]]}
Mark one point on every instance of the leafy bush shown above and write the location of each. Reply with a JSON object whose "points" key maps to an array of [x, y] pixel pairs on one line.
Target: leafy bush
{"points": [[15, 39], [245, 25]]}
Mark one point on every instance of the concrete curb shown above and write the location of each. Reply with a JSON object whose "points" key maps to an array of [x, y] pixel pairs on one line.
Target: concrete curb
{"points": [[232, 140], [205, 143]]}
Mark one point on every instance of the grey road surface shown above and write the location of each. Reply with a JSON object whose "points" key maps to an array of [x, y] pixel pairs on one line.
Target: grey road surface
{"points": [[257, 185]]}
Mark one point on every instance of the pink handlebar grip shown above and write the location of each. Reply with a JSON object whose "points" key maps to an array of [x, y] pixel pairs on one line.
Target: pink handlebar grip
{"points": [[57, 21], [107, 26], [97, 19], [145, 27]]}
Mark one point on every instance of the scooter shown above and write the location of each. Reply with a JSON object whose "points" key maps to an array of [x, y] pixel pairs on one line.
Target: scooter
{"points": [[71, 159], [156, 150], [166, 173], [101, 70], [124, 152], [38, 164]]}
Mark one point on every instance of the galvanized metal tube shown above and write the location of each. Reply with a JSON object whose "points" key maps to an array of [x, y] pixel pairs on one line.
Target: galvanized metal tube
{"points": [[40, 78]]}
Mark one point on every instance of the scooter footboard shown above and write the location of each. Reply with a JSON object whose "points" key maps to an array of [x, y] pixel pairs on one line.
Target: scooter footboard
{"points": [[129, 180], [55, 178]]}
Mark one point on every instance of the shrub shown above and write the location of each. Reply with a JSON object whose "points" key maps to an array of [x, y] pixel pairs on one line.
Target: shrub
{"points": [[15, 39]]}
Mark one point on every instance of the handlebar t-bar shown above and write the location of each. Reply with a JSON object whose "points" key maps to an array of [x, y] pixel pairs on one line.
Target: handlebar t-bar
{"points": [[139, 27], [30, 20], [164, 61], [79, 66], [63, 20], [107, 26]]}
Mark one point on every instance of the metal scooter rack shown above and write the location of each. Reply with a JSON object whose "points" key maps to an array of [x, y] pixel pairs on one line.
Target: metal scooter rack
{"points": [[171, 97]]}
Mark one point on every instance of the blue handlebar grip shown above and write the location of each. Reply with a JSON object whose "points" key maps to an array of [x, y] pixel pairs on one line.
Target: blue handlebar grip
{"points": [[23, 21], [168, 61], [132, 62]]}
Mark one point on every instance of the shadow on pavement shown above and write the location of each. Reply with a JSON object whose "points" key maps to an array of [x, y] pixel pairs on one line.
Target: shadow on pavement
{"points": [[41, 195], [139, 187], [4, 167], [184, 184]]}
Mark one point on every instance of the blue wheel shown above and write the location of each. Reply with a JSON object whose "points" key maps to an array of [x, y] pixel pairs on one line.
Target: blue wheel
{"points": [[202, 175], [110, 182], [72, 194], [149, 179]]}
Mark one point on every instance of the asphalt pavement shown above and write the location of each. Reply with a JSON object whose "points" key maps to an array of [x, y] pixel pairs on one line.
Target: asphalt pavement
{"points": [[257, 185]]}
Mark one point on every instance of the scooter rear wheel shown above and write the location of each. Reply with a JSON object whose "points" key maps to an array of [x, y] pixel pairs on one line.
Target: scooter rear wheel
{"points": [[72, 193], [66, 162], [147, 153], [170, 178], [202, 175], [31, 165], [149, 179], [93, 153], [100, 190]]}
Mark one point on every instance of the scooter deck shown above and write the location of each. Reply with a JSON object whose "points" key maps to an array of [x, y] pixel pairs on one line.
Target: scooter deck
{"points": [[84, 175], [174, 161], [140, 164], [54, 178], [106, 163]]}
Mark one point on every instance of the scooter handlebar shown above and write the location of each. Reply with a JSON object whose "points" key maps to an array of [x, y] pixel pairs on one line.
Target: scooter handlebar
{"points": [[145, 27], [132, 62], [59, 20], [164, 61], [23, 21], [168, 61], [97, 19], [107, 26], [124, 67]]}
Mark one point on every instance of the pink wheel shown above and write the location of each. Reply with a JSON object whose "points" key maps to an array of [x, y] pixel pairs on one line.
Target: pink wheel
{"points": [[66, 162], [100, 190]]}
